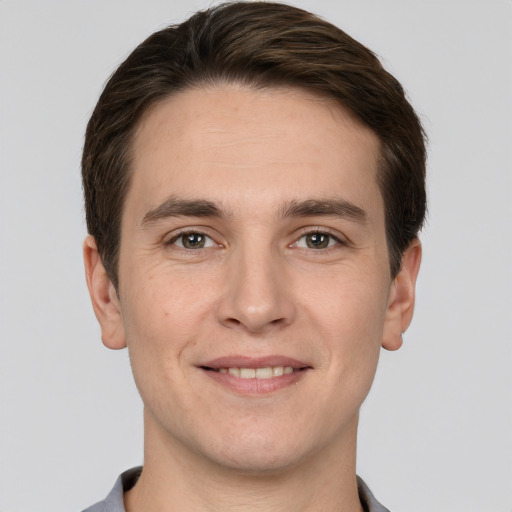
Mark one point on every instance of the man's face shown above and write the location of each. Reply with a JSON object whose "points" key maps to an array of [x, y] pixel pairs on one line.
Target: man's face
{"points": [[254, 277]]}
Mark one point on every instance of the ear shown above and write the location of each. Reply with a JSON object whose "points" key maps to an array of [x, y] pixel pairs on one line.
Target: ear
{"points": [[103, 297], [401, 298]]}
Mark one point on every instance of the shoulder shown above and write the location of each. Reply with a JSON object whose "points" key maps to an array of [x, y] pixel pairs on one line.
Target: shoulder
{"points": [[368, 500], [114, 501]]}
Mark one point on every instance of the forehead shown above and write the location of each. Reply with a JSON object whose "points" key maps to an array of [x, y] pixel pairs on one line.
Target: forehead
{"points": [[235, 144]]}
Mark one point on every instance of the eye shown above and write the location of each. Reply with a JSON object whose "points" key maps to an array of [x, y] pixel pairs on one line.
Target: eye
{"points": [[317, 240], [192, 240]]}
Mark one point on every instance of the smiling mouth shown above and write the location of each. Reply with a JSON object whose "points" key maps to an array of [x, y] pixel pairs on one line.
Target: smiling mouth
{"points": [[255, 376], [267, 372]]}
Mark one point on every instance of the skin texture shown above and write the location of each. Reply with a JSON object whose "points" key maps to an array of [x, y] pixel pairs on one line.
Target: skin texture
{"points": [[255, 289]]}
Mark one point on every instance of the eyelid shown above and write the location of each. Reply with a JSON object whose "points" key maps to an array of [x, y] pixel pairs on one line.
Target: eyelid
{"points": [[311, 230], [171, 238]]}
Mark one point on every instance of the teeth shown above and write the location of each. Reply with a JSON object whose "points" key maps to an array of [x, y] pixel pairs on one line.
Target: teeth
{"points": [[259, 373], [234, 371], [247, 373], [277, 371], [264, 373]]}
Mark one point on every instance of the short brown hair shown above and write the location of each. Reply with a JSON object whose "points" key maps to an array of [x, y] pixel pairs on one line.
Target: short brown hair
{"points": [[258, 44]]}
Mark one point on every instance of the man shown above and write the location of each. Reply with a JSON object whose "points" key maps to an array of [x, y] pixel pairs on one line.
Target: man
{"points": [[254, 187]]}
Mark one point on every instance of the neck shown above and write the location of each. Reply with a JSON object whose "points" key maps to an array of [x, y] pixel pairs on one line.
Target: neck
{"points": [[175, 478]]}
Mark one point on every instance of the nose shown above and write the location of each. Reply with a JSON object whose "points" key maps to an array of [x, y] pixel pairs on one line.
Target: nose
{"points": [[257, 293]]}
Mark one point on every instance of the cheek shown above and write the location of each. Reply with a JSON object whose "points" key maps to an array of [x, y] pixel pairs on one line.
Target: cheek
{"points": [[163, 319], [349, 318], [348, 303], [163, 300], [160, 331]]}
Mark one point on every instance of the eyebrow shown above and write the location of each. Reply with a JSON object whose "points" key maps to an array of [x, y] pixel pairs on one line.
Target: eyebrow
{"points": [[177, 207], [325, 207]]}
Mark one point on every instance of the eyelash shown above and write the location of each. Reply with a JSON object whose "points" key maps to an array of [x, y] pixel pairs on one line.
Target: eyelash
{"points": [[172, 241], [211, 242], [320, 231]]}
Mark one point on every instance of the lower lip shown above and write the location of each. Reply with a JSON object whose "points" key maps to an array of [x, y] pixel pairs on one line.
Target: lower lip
{"points": [[256, 386]]}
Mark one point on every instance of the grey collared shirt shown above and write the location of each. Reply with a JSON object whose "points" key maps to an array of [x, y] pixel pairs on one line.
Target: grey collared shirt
{"points": [[114, 501]]}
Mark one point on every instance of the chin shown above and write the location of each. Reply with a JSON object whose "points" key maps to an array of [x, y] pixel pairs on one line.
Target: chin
{"points": [[257, 462], [257, 453]]}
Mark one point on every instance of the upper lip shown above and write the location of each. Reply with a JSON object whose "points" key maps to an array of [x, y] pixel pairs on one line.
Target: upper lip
{"points": [[253, 362]]}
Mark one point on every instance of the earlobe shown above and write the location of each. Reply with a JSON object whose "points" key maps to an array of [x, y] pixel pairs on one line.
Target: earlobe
{"points": [[401, 298], [103, 297]]}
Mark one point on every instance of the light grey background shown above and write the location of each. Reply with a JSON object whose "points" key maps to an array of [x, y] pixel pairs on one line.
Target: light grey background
{"points": [[436, 431]]}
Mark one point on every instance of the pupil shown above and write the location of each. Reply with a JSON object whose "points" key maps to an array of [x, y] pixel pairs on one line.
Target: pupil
{"points": [[193, 240], [317, 240]]}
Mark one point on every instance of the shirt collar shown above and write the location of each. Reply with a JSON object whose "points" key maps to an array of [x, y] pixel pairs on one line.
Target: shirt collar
{"points": [[114, 501]]}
